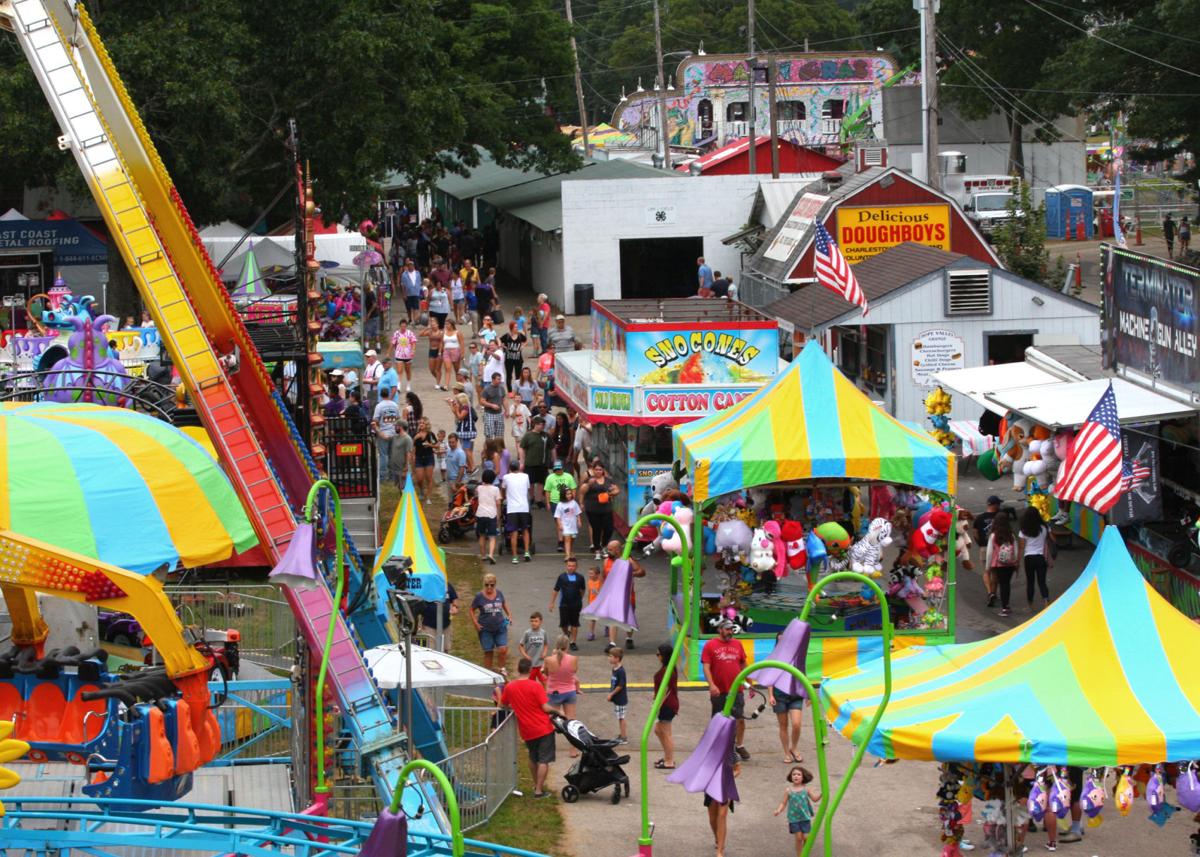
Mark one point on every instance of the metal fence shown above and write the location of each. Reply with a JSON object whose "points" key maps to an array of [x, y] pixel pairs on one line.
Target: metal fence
{"points": [[483, 760], [255, 721], [758, 293], [264, 619]]}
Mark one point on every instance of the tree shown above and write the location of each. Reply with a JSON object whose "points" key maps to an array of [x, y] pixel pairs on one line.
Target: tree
{"points": [[1021, 239], [375, 86]]}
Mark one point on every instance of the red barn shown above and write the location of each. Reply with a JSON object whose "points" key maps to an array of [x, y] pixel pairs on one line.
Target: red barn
{"points": [[866, 213], [731, 160]]}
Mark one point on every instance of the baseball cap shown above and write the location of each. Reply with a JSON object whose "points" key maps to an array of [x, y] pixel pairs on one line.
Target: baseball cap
{"points": [[558, 465], [371, 352], [560, 317], [994, 501], [726, 623], [337, 372]]}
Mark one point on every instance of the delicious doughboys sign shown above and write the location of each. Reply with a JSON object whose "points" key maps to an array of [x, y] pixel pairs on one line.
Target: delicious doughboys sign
{"points": [[863, 232]]}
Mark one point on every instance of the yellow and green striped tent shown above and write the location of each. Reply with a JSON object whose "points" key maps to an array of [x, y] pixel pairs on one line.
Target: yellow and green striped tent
{"points": [[1106, 675], [811, 422]]}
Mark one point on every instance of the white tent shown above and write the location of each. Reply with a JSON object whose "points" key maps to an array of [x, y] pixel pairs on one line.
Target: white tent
{"points": [[13, 214], [224, 229], [430, 669]]}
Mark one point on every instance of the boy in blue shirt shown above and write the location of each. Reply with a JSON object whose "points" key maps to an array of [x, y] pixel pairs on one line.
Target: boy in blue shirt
{"points": [[617, 693]]}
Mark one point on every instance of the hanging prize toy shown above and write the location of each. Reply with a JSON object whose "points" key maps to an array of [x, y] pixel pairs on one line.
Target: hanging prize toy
{"points": [[1123, 792], [1092, 799]]}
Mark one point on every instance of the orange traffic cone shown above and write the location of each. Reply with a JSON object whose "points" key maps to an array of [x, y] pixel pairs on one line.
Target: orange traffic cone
{"points": [[1080, 229], [1137, 233]]}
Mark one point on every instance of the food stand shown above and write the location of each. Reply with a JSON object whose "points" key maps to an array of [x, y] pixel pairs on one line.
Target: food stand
{"points": [[654, 364], [806, 443]]}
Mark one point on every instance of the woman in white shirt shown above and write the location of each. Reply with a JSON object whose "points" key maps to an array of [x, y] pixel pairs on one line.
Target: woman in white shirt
{"points": [[1036, 540]]}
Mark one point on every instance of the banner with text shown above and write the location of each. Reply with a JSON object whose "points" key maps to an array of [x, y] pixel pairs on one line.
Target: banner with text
{"points": [[733, 356], [864, 232], [1150, 317], [789, 235]]}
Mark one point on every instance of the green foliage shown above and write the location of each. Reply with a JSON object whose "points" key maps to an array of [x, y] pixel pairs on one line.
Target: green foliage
{"points": [[375, 86], [1021, 241]]}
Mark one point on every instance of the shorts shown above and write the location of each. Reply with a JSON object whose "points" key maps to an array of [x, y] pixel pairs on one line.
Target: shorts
{"points": [[412, 301], [800, 826], [739, 705], [404, 360], [433, 353], [514, 522], [568, 615], [451, 355], [537, 473], [785, 702], [541, 750], [666, 715], [565, 698], [619, 711], [490, 640], [424, 460], [486, 527]]}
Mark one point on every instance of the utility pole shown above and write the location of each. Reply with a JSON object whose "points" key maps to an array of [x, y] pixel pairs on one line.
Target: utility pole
{"points": [[929, 109], [662, 92], [583, 120], [773, 112], [751, 149]]}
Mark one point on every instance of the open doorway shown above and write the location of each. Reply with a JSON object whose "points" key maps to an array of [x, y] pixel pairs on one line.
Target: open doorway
{"points": [[1007, 347], [659, 267]]}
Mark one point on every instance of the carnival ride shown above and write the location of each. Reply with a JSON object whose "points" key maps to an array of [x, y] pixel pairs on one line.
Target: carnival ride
{"points": [[267, 461]]}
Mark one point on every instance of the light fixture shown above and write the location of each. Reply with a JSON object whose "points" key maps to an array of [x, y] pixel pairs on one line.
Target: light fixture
{"points": [[296, 569], [1037, 300]]}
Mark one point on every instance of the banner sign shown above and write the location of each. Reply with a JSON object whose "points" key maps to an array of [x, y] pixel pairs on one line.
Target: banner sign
{"points": [[747, 355], [71, 242], [1150, 318], [611, 400], [793, 230], [865, 232], [608, 343], [935, 351], [1143, 501], [691, 402]]}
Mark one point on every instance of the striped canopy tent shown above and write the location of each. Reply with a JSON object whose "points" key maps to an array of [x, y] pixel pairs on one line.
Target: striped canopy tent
{"points": [[809, 423], [117, 486], [409, 536], [251, 284], [1106, 675]]}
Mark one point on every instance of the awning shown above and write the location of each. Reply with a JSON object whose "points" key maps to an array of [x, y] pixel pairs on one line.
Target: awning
{"points": [[979, 382], [430, 669], [1068, 404]]}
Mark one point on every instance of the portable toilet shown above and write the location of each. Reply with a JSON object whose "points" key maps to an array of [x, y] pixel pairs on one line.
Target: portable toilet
{"points": [[1067, 205]]}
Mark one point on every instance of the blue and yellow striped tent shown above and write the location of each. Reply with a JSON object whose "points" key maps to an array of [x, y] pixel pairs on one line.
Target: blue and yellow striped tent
{"points": [[1108, 674], [810, 422], [409, 536]]}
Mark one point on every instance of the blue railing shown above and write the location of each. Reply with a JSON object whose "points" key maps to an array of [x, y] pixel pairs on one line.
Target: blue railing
{"points": [[196, 827], [255, 721]]}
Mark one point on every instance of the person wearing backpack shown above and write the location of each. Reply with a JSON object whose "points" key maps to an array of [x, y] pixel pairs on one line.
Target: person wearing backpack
{"points": [[1039, 552], [1003, 554]]}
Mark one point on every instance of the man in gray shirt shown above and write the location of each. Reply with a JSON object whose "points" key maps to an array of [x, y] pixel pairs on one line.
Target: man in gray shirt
{"points": [[383, 423], [561, 336], [400, 455], [493, 407]]}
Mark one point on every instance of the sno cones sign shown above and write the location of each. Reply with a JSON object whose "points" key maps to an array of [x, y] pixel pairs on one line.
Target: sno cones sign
{"points": [[10, 749]]}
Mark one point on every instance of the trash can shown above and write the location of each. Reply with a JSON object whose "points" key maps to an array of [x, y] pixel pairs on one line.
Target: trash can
{"points": [[584, 292]]}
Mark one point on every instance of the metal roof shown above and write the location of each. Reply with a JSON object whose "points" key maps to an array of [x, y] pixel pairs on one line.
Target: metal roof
{"points": [[644, 310]]}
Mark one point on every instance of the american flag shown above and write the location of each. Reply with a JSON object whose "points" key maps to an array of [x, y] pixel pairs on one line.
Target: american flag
{"points": [[833, 271], [1093, 474], [1133, 475]]}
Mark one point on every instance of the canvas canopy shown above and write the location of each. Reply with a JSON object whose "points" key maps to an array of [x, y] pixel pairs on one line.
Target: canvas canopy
{"points": [[810, 422], [1106, 675]]}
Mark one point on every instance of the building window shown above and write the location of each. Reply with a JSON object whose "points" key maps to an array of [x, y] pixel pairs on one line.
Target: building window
{"points": [[833, 108], [737, 111], [969, 292], [705, 111], [792, 111]]}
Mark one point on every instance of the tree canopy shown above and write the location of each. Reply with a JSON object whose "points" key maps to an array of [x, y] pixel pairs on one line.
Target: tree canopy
{"points": [[374, 85]]}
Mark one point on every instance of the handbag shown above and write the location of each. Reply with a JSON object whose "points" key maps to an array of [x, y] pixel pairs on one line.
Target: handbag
{"points": [[497, 316]]}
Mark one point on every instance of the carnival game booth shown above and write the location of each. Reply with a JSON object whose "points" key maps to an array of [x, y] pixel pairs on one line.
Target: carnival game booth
{"points": [[800, 461], [654, 364], [1104, 677]]}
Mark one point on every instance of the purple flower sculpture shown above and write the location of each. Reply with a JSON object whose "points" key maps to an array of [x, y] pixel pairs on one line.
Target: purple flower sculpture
{"points": [[296, 569], [389, 836], [709, 769], [614, 603], [792, 648]]}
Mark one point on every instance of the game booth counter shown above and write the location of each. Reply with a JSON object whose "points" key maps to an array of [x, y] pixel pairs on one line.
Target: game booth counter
{"points": [[654, 364], [1148, 355], [808, 477]]}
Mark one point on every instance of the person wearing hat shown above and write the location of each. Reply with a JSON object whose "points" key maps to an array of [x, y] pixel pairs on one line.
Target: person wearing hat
{"points": [[389, 379], [372, 372], [557, 484], [562, 337], [983, 528], [722, 659], [540, 320]]}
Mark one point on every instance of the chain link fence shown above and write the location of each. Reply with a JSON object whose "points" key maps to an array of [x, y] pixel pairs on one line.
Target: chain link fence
{"points": [[258, 612], [758, 293]]}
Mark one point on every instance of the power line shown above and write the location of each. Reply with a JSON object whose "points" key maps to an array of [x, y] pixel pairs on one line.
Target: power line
{"points": [[1085, 91], [1128, 24], [1110, 42]]}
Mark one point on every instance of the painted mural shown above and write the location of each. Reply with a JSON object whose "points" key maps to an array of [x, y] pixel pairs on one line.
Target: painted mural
{"points": [[696, 110]]}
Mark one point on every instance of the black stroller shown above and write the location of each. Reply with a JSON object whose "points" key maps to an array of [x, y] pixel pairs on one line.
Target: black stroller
{"points": [[598, 765]]}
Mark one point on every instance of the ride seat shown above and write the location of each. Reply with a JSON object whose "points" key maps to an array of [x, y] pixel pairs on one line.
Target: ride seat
{"points": [[11, 706], [44, 713], [157, 755], [187, 745], [78, 727]]}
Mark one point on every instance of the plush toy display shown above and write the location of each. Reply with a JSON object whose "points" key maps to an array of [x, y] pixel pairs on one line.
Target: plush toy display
{"points": [[672, 540], [1060, 794], [922, 544], [1014, 449], [796, 557], [937, 406], [660, 484], [762, 557], [866, 555], [1123, 793], [962, 541], [1092, 799]]}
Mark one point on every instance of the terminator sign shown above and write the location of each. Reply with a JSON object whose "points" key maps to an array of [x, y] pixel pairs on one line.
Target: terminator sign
{"points": [[1150, 308]]}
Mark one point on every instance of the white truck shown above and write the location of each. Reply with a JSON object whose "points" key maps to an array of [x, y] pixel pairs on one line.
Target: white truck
{"points": [[984, 198]]}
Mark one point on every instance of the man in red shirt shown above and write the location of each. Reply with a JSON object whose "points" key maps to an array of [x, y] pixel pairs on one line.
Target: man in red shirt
{"points": [[529, 704], [723, 658]]}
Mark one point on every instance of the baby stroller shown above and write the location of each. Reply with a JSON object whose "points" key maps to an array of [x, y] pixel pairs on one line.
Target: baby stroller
{"points": [[598, 765], [460, 517]]}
